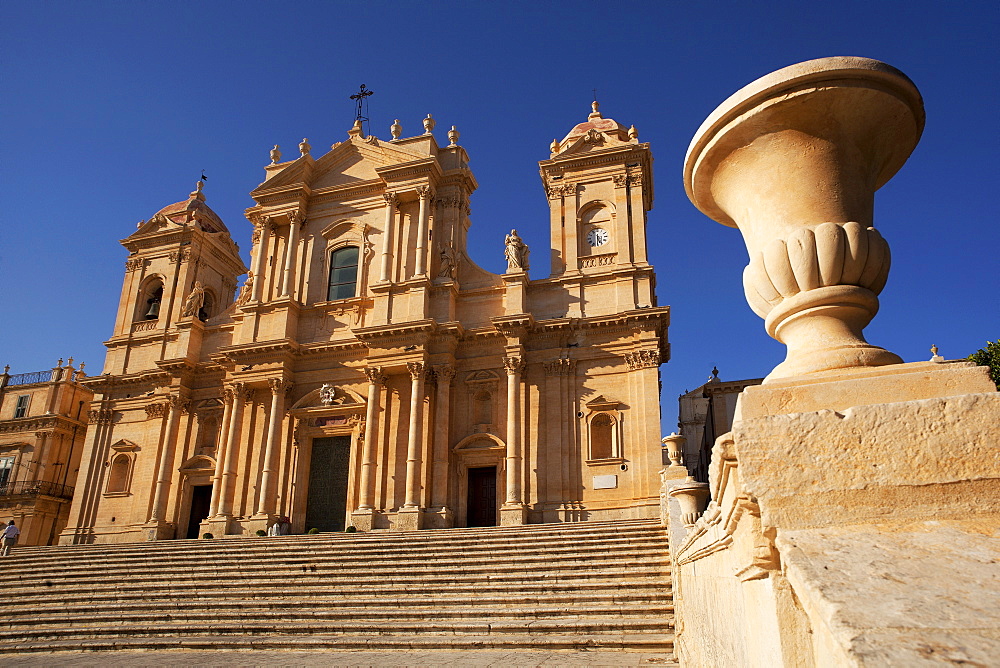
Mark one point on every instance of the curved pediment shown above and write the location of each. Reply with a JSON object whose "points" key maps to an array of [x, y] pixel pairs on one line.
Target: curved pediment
{"points": [[479, 442], [328, 396], [198, 463]]}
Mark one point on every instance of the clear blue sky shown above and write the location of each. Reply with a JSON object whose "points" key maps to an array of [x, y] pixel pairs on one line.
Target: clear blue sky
{"points": [[110, 110]]}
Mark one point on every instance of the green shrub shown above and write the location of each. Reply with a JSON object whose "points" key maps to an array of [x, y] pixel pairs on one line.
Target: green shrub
{"points": [[989, 357], [207, 535], [313, 531], [261, 533], [351, 529]]}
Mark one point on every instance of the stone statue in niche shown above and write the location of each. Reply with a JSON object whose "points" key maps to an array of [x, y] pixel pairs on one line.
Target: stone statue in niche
{"points": [[448, 263], [246, 290], [195, 301], [516, 252]]}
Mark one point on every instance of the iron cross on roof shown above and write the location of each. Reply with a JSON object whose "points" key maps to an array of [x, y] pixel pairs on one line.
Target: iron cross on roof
{"points": [[360, 97]]}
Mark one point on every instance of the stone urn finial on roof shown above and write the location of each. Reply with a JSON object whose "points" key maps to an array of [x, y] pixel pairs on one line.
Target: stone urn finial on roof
{"points": [[793, 160]]}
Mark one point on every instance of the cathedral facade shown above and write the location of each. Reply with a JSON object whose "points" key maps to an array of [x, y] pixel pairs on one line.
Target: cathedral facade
{"points": [[368, 373]]}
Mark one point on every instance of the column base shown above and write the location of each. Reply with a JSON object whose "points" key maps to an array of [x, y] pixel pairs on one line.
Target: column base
{"points": [[218, 526], [363, 519], [409, 519], [439, 518], [259, 522], [513, 515], [159, 530]]}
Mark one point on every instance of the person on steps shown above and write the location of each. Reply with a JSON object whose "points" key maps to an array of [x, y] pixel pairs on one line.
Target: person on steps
{"points": [[8, 538]]}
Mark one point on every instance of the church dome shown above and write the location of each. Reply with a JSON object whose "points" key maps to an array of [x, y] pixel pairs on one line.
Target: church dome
{"points": [[193, 210], [595, 121]]}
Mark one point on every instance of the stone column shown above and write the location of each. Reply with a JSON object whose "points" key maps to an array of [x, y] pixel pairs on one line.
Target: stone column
{"points": [[164, 472], [265, 496], [440, 473], [513, 511], [232, 445], [220, 451], [409, 515], [375, 381], [793, 160], [259, 257], [294, 221], [425, 194], [390, 214]]}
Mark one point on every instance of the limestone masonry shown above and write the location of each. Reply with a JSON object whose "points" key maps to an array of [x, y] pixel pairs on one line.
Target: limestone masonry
{"points": [[367, 373]]}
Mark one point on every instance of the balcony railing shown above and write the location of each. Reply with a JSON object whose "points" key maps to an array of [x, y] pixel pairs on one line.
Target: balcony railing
{"points": [[36, 488], [30, 378]]}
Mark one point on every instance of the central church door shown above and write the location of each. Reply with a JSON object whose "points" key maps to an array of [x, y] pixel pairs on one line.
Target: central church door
{"points": [[482, 501], [326, 505]]}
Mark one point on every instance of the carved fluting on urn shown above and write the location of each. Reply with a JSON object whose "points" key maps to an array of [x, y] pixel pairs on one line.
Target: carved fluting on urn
{"points": [[827, 255], [793, 160]]}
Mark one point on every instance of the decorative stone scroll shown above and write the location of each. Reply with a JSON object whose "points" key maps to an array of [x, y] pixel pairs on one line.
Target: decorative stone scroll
{"points": [[598, 261], [643, 359], [560, 367], [156, 410]]}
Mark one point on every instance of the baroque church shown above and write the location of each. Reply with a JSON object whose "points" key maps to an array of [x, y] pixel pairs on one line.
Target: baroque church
{"points": [[367, 372]]}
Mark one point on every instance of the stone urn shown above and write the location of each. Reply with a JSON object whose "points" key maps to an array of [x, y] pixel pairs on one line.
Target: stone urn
{"points": [[692, 497], [793, 160], [675, 448]]}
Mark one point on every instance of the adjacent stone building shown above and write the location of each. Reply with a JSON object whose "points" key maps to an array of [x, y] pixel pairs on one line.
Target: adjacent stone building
{"points": [[43, 422], [368, 372]]}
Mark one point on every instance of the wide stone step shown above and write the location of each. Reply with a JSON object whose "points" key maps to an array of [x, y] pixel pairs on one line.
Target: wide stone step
{"points": [[154, 616], [660, 642], [288, 600], [183, 550], [412, 578], [370, 628], [380, 559]]}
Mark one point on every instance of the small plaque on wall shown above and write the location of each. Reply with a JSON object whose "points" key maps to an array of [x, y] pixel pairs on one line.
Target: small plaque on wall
{"points": [[605, 482]]}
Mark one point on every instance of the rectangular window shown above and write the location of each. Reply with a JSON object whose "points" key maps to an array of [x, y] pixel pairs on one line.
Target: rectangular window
{"points": [[6, 469], [22, 405], [343, 273]]}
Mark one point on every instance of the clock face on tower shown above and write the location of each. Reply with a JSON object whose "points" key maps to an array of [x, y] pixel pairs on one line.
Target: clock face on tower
{"points": [[597, 237]]}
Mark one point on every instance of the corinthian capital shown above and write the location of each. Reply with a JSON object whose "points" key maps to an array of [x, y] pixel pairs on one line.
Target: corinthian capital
{"points": [[513, 364], [416, 369], [390, 198], [375, 375]]}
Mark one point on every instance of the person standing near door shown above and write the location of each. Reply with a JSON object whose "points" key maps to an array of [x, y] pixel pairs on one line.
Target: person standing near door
{"points": [[8, 538]]}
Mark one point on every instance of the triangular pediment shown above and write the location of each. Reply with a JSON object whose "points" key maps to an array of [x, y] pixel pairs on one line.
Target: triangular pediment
{"points": [[346, 167]]}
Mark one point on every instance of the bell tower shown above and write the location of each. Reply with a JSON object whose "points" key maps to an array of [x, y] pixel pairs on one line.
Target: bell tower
{"points": [[599, 185], [182, 269]]}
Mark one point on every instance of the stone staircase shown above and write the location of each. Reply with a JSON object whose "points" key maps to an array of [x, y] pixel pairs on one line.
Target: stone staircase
{"points": [[588, 585]]}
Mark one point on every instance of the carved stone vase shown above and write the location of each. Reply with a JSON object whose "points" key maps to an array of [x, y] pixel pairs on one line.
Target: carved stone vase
{"points": [[692, 497], [793, 160]]}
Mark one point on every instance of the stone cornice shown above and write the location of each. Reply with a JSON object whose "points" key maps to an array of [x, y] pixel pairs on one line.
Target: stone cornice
{"points": [[417, 332], [249, 352], [39, 423], [102, 384]]}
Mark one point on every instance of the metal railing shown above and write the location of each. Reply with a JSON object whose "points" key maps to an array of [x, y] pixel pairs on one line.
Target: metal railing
{"points": [[29, 378], [36, 488]]}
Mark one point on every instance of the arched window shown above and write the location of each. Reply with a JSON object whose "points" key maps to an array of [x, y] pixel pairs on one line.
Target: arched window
{"points": [[602, 440], [118, 476], [343, 273], [148, 306], [208, 308]]}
